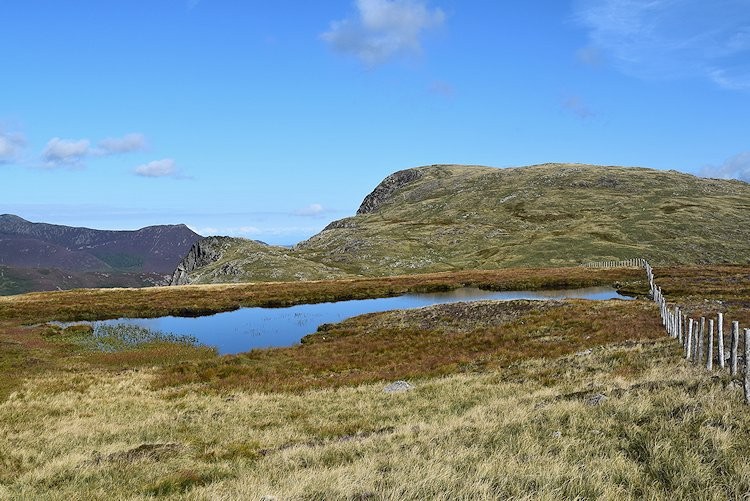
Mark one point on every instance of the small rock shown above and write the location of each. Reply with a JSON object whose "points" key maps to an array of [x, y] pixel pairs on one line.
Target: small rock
{"points": [[398, 386], [268, 498], [556, 434], [734, 384], [585, 352], [596, 399]]}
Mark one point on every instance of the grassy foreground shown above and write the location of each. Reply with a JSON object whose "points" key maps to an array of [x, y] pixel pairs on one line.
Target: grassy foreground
{"points": [[534, 430], [563, 400]]}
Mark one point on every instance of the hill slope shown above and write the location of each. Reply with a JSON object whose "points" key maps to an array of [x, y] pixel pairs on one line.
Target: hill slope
{"points": [[448, 217], [40, 256], [158, 249]]}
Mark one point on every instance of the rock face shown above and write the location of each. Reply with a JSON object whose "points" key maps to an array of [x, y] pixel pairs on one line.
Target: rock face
{"points": [[203, 252], [385, 190]]}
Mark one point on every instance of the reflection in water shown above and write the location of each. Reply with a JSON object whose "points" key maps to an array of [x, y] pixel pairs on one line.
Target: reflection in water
{"points": [[248, 328]]}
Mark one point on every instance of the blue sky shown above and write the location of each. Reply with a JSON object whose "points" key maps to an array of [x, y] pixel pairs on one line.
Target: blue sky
{"points": [[270, 119]]}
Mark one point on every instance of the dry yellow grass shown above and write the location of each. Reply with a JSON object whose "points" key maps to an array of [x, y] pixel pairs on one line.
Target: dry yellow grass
{"points": [[666, 431]]}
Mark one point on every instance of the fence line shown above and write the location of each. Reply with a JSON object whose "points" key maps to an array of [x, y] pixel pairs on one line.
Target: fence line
{"points": [[697, 337]]}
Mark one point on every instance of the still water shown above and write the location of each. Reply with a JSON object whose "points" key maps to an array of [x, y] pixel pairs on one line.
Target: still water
{"points": [[248, 328]]}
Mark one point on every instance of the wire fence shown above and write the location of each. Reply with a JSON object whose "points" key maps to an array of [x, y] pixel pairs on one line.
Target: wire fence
{"points": [[702, 339]]}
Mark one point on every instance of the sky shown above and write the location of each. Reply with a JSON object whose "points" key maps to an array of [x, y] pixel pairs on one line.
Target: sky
{"points": [[268, 120]]}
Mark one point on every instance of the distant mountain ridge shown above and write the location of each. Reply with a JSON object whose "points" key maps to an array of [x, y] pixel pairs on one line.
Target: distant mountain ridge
{"points": [[88, 256], [156, 249], [453, 217]]}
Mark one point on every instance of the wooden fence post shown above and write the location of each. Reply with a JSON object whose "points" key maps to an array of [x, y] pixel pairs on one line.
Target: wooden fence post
{"points": [[720, 335], [710, 352], [735, 343], [689, 345], [701, 335], [696, 342], [747, 366]]}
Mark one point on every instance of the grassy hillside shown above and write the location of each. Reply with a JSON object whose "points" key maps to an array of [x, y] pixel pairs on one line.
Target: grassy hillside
{"points": [[450, 217], [21, 280]]}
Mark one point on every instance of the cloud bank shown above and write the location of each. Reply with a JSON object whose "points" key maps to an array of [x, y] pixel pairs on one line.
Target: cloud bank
{"points": [[658, 39], [735, 167], [11, 146], [126, 144], [383, 29], [311, 210], [72, 152], [65, 151], [158, 168]]}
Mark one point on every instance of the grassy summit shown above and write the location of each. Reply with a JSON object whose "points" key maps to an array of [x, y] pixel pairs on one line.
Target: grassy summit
{"points": [[453, 217]]}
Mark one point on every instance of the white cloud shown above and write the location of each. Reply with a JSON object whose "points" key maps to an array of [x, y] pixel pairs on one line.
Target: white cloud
{"points": [[206, 232], [254, 231], [382, 29], [158, 168], [658, 39], [11, 145], [736, 167], [248, 230], [65, 151], [311, 210], [126, 144], [73, 151]]}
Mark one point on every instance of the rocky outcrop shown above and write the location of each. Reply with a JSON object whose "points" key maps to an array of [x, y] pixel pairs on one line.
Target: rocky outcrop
{"points": [[347, 222], [390, 185], [203, 252]]}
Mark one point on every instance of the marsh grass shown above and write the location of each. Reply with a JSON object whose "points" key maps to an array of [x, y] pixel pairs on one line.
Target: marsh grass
{"points": [[432, 341], [120, 337], [193, 300]]}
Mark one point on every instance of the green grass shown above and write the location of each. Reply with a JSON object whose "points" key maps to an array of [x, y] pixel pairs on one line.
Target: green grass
{"points": [[467, 217], [121, 260]]}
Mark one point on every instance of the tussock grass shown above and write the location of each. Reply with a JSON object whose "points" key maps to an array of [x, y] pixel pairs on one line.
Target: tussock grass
{"points": [[666, 430]]}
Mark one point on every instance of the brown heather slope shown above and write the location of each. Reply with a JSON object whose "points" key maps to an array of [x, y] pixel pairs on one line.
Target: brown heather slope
{"points": [[40, 256]]}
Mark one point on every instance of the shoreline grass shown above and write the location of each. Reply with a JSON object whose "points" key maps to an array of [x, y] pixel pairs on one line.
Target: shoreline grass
{"points": [[193, 300]]}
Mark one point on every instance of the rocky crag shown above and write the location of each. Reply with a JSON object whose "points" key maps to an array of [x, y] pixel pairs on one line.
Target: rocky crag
{"points": [[226, 259]]}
